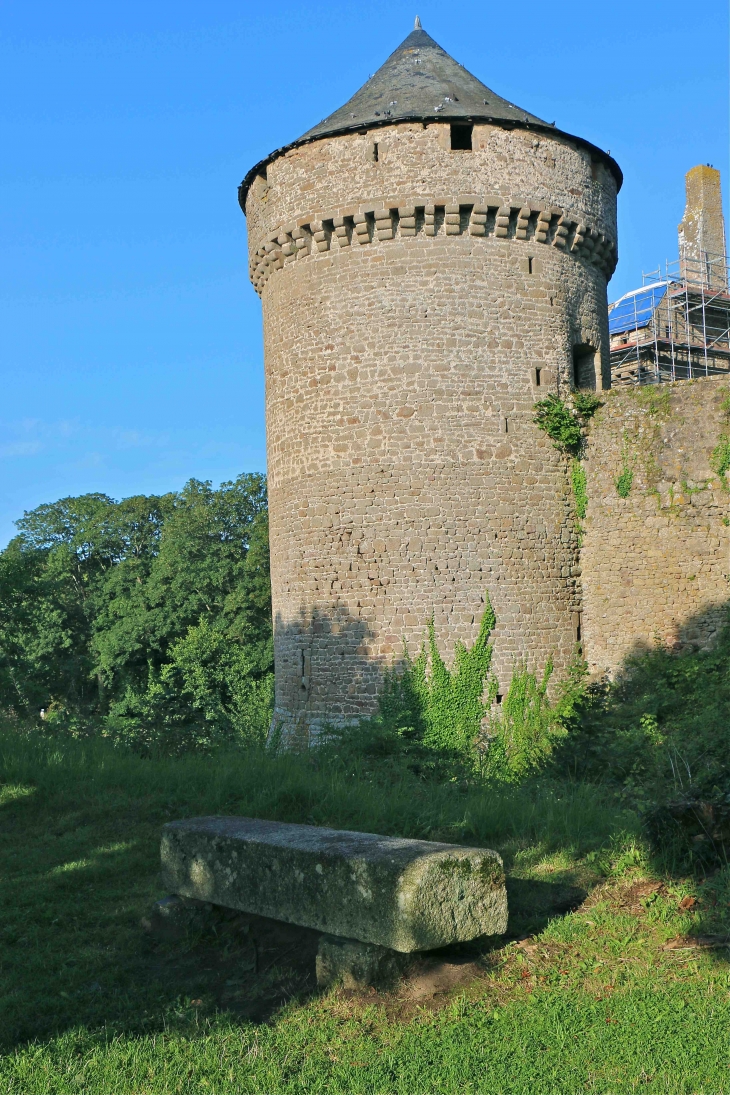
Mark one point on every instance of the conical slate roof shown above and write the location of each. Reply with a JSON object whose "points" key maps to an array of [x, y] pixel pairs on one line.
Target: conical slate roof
{"points": [[421, 82]]}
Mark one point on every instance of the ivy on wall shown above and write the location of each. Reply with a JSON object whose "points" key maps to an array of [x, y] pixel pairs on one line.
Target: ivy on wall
{"points": [[565, 424], [625, 482], [720, 456]]}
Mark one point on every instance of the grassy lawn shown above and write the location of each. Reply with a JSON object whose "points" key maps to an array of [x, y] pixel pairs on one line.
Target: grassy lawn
{"points": [[614, 977]]}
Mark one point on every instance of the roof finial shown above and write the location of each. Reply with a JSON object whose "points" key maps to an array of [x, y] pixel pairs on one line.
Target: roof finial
{"points": [[417, 24]]}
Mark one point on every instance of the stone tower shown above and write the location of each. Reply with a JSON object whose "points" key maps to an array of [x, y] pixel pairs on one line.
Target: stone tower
{"points": [[431, 260]]}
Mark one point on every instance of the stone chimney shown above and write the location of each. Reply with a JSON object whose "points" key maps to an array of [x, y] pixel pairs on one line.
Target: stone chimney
{"points": [[702, 251]]}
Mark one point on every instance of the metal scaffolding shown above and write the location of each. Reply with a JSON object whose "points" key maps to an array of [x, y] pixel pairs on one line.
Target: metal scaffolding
{"points": [[676, 326]]}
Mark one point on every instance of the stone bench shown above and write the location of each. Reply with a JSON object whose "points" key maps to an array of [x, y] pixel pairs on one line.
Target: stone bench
{"points": [[375, 897]]}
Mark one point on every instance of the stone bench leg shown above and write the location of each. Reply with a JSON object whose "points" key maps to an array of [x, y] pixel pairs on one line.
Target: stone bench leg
{"points": [[352, 965]]}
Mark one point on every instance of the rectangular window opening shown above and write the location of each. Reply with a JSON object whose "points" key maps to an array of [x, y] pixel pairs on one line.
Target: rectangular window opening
{"points": [[461, 138], [375, 152], [537, 377], [584, 366], [529, 265], [498, 697]]}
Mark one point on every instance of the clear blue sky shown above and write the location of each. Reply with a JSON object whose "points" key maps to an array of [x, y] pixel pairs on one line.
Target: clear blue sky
{"points": [[130, 342]]}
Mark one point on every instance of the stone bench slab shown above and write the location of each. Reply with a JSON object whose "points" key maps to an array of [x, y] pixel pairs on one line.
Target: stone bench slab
{"points": [[408, 895]]}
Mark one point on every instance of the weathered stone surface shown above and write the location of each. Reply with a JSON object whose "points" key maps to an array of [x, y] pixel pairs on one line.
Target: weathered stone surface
{"points": [[353, 965], [655, 564], [405, 894]]}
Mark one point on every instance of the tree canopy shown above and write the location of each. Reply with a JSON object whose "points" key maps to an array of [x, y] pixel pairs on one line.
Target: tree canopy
{"points": [[148, 618]]}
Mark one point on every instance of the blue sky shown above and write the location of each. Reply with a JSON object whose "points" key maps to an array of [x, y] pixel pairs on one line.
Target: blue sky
{"points": [[130, 345]]}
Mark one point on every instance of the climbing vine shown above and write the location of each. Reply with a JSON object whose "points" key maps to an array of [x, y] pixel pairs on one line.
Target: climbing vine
{"points": [[625, 482], [580, 491], [565, 424], [720, 456], [453, 713]]}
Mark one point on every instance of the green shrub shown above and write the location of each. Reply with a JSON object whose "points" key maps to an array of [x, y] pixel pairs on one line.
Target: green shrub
{"points": [[565, 424], [443, 707], [524, 729], [586, 404], [660, 737], [444, 723]]}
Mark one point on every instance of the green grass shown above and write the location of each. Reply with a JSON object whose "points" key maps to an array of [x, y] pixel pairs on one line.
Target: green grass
{"points": [[593, 1001]]}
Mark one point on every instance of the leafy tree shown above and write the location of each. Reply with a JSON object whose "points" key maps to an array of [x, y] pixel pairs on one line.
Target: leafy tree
{"points": [[151, 615]]}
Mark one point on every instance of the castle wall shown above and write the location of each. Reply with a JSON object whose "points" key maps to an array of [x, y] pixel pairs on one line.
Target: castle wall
{"points": [[407, 304], [656, 564]]}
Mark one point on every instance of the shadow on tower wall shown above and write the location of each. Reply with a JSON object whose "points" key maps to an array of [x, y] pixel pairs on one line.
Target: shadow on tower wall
{"points": [[328, 672]]}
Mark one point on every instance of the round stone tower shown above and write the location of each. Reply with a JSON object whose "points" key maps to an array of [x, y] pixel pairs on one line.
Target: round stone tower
{"points": [[431, 261]]}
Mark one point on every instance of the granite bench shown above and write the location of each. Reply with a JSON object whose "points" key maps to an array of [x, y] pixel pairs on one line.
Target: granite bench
{"points": [[377, 899]]}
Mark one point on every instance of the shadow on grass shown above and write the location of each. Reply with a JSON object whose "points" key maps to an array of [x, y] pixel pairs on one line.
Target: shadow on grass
{"points": [[79, 857]]}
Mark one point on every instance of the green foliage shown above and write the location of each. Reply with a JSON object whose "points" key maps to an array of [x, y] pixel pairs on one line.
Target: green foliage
{"points": [[720, 459], [452, 701], [661, 737], [148, 619], [560, 424], [445, 722], [586, 404], [580, 490], [524, 729], [565, 424], [437, 709], [625, 482]]}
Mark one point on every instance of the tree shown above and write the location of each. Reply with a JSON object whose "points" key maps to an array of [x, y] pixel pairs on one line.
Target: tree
{"points": [[121, 610]]}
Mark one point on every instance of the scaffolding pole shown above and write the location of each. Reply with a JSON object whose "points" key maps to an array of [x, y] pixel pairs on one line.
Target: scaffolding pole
{"points": [[676, 327]]}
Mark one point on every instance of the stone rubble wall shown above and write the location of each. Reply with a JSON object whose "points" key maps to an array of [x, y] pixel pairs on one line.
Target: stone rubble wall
{"points": [[656, 564]]}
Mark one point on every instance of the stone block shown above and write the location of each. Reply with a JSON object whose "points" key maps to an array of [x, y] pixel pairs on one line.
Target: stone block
{"points": [[404, 894], [349, 964]]}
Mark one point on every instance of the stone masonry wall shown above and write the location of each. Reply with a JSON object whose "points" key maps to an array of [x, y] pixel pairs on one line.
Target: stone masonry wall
{"points": [[656, 564], [407, 305]]}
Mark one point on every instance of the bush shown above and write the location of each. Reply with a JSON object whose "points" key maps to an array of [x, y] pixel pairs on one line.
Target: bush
{"points": [[660, 737]]}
